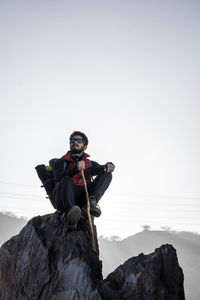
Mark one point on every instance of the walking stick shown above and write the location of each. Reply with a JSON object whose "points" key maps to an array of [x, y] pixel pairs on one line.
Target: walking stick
{"points": [[88, 211]]}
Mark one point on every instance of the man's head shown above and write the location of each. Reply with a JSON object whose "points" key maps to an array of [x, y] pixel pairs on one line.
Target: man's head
{"points": [[78, 142]]}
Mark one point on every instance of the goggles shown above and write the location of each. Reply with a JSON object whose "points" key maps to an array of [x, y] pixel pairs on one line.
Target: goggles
{"points": [[76, 140]]}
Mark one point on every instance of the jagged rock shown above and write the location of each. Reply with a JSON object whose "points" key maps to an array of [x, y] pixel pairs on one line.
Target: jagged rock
{"points": [[156, 276], [46, 262]]}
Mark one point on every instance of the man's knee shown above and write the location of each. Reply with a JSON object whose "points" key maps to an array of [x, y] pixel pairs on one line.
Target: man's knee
{"points": [[105, 177]]}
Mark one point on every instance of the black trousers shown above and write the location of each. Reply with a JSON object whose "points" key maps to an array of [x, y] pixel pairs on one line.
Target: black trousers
{"points": [[68, 194]]}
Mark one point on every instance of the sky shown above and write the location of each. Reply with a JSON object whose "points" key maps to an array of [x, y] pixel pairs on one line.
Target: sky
{"points": [[125, 73]]}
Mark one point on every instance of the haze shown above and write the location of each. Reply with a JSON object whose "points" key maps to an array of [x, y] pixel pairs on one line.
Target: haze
{"points": [[124, 72]]}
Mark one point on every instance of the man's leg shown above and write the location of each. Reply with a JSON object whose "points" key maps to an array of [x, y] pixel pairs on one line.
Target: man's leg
{"points": [[64, 196], [65, 200], [98, 187]]}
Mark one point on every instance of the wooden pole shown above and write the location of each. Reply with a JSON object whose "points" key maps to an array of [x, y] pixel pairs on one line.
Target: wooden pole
{"points": [[88, 211]]}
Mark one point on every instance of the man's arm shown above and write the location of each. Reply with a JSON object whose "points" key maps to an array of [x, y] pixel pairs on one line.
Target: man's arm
{"points": [[98, 169]]}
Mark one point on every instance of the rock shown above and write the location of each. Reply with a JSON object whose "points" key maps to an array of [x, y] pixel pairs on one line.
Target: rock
{"points": [[45, 261], [156, 276]]}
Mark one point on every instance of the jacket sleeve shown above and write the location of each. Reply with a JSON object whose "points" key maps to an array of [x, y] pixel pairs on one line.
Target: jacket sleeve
{"points": [[60, 169], [97, 168]]}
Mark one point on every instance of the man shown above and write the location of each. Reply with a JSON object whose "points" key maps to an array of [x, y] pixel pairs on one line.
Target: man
{"points": [[69, 193]]}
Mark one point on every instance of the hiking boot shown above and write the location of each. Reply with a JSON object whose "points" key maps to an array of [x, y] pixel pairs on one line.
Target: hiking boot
{"points": [[73, 217], [95, 209]]}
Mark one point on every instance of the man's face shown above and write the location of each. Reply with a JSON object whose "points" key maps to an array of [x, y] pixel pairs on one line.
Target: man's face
{"points": [[77, 145]]}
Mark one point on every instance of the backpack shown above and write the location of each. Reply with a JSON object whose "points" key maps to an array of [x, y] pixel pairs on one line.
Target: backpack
{"points": [[47, 179]]}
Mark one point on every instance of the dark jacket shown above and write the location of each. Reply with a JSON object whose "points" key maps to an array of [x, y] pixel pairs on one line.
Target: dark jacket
{"points": [[67, 166]]}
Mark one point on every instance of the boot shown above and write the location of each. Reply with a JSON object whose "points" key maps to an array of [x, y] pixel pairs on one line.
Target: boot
{"points": [[95, 209], [73, 217]]}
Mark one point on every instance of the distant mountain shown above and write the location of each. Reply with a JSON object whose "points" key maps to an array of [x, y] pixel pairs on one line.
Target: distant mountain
{"points": [[187, 245], [10, 225]]}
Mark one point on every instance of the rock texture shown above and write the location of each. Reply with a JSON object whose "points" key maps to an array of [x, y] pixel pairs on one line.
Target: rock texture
{"points": [[156, 276], [45, 261]]}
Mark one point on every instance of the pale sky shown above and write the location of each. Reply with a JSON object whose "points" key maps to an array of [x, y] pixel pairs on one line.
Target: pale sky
{"points": [[124, 72]]}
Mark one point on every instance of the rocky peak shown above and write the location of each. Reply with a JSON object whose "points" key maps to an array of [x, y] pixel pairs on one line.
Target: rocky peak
{"points": [[45, 261]]}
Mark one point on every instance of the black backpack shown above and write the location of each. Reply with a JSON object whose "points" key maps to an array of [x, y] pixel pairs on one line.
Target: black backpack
{"points": [[47, 180]]}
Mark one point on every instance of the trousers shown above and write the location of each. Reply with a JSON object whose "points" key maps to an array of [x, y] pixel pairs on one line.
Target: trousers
{"points": [[68, 194]]}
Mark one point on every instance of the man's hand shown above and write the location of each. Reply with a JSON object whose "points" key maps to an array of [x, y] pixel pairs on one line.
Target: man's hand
{"points": [[81, 165], [110, 167]]}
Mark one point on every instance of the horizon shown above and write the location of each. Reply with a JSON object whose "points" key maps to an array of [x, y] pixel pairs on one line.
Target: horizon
{"points": [[111, 238]]}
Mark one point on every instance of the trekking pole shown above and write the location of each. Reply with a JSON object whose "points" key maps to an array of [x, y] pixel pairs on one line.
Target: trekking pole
{"points": [[88, 211]]}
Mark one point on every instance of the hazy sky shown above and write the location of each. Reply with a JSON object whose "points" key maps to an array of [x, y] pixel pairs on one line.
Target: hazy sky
{"points": [[124, 72]]}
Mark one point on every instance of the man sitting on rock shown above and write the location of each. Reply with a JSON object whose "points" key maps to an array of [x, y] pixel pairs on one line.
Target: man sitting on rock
{"points": [[69, 192]]}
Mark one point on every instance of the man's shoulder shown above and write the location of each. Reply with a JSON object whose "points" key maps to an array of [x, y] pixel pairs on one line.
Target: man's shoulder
{"points": [[67, 156]]}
